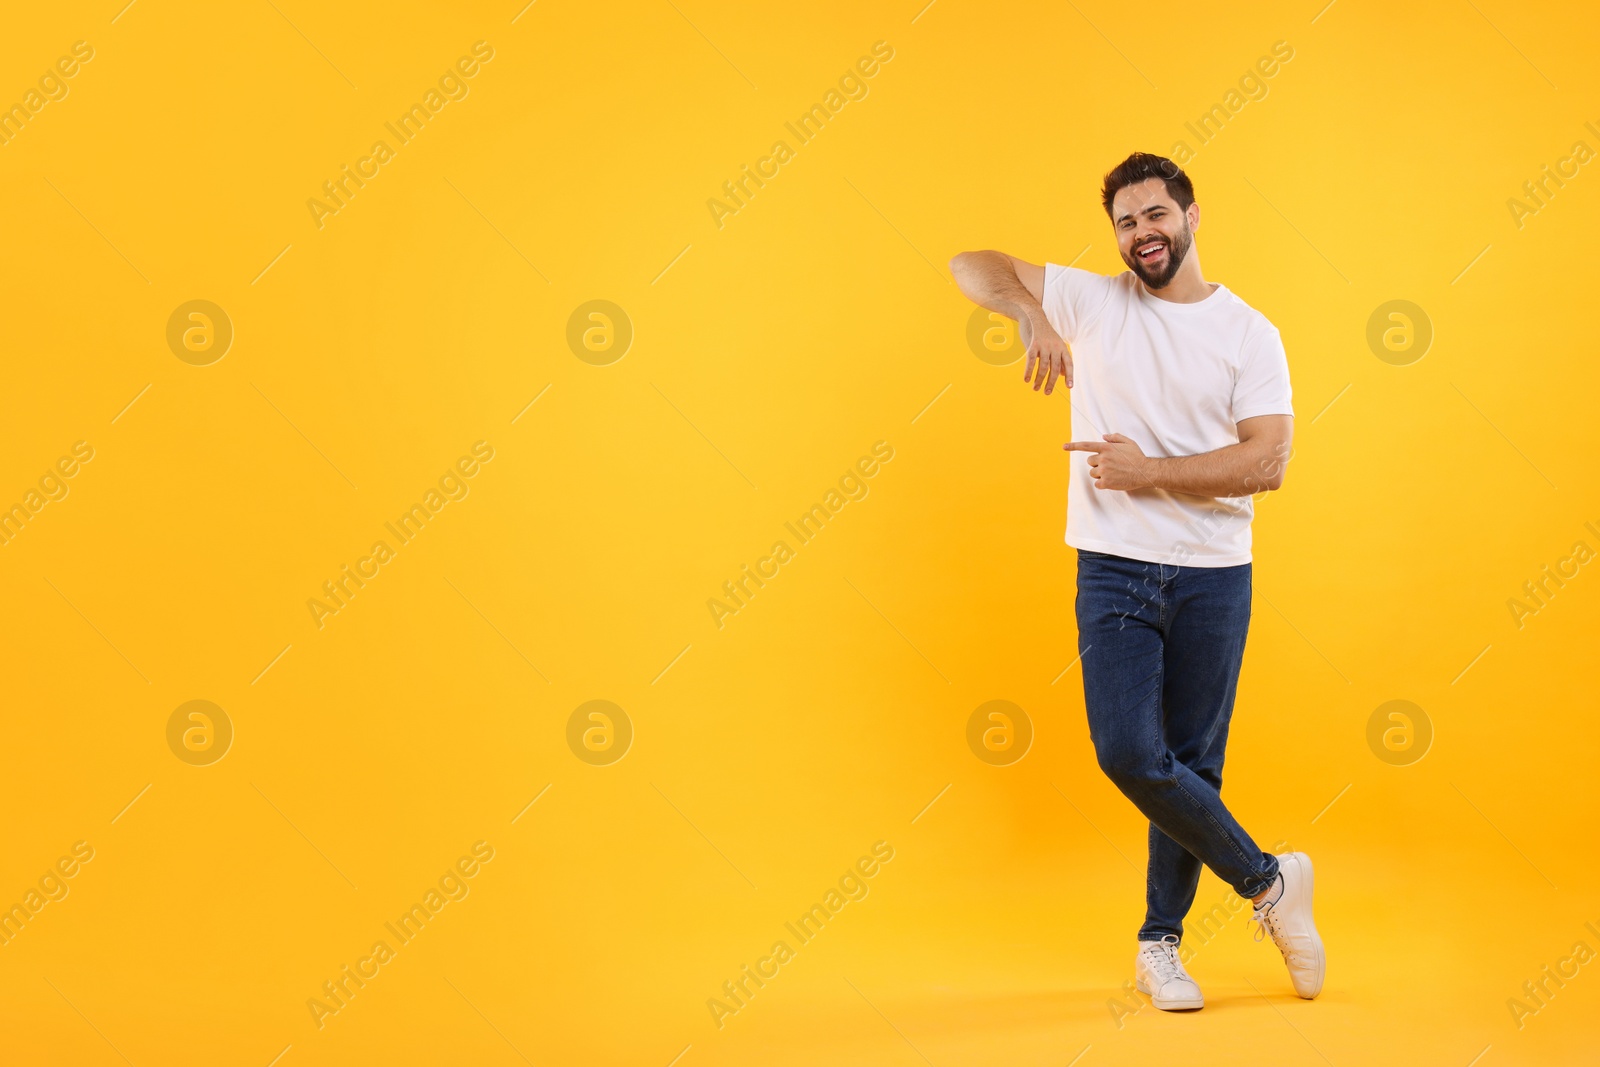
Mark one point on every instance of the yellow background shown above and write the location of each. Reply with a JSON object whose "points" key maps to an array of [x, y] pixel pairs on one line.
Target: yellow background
{"points": [[769, 354]]}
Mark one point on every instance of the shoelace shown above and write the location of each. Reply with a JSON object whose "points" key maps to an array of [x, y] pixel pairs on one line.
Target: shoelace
{"points": [[1163, 957], [1263, 915], [1266, 921]]}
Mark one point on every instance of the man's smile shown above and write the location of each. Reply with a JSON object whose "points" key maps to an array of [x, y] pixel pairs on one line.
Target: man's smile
{"points": [[1151, 251]]}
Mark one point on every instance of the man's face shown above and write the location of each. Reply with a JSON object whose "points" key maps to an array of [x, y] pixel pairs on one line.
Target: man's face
{"points": [[1152, 234]]}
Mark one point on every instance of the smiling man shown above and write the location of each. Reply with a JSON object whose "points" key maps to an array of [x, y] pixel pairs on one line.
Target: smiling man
{"points": [[1180, 414]]}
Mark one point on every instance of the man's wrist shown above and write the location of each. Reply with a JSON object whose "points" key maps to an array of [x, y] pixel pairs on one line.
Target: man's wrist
{"points": [[1154, 468]]}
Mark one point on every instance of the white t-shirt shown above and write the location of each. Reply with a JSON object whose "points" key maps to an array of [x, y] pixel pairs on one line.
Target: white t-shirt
{"points": [[1175, 378]]}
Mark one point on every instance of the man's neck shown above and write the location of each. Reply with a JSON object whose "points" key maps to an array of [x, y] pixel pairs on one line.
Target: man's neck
{"points": [[1189, 287]]}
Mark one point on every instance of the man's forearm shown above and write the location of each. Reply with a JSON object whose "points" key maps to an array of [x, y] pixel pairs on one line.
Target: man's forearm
{"points": [[1243, 469], [989, 279]]}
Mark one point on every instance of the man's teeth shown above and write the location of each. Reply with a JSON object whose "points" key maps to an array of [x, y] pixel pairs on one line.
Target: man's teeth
{"points": [[1151, 250]]}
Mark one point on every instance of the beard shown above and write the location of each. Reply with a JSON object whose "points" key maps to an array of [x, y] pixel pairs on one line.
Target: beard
{"points": [[1177, 250]]}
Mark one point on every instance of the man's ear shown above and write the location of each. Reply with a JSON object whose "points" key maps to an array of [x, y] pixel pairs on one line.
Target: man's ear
{"points": [[1194, 215]]}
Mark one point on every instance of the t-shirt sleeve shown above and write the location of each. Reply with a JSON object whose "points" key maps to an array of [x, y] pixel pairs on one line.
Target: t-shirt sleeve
{"points": [[1261, 386], [1073, 299]]}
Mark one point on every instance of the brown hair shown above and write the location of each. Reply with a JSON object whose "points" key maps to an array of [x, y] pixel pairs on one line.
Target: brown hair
{"points": [[1142, 166]]}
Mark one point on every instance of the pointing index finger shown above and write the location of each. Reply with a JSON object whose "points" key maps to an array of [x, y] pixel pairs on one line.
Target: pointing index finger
{"points": [[1084, 446]]}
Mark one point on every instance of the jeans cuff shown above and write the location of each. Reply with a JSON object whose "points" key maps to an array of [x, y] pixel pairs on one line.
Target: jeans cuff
{"points": [[1261, 882]]}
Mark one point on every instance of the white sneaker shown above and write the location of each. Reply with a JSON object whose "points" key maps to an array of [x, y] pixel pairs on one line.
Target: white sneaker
{"points": [[1288, 919], [1159, 975]]}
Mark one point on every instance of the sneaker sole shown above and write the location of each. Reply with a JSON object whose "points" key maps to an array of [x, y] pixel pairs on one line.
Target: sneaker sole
{"points": [[1308, 887], [1169, 1003]]}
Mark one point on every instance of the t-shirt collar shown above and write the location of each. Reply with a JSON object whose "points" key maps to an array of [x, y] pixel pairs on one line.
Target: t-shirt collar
{"points": [[1213, 300]]}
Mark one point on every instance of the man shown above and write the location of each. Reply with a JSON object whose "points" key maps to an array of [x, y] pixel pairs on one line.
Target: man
{"points": [[1180, 413]]}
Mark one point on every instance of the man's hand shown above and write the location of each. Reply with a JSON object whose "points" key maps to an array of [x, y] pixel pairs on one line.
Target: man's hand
{"points": [[1014, 287], [1118, 463], [1049, 357]]}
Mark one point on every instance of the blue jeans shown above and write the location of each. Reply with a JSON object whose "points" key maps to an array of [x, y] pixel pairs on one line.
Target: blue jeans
{"points": [[1161, 647]]}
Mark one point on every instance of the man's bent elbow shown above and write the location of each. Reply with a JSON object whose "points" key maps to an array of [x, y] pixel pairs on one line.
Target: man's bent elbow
{"points": [[962, 262], [964, 268], [1263, 482]]}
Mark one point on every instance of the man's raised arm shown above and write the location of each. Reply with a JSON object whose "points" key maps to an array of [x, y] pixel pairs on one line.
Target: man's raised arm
{"points": [[1014, 287]]}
